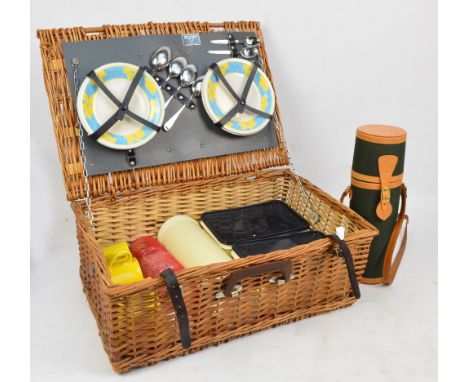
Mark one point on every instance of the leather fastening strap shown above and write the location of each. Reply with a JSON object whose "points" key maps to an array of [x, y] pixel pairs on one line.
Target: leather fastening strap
{"points": [[373, 186], [344, 249], [386, 164], [173, 288], [122, 106], [396, 179], [390, 268], [241, 103]]}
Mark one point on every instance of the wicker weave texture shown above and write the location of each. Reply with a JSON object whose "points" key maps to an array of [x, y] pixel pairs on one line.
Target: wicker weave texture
{"points": [[64, 115], [136, 321]]}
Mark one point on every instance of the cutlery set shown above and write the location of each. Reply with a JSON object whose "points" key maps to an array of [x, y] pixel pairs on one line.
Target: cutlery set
{"points": [[249, 50], [235, 93], [187, 74], [178, 68]]}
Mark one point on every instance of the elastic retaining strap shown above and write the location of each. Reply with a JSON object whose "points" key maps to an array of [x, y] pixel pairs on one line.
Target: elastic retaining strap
{"points": [[178, 303], [122, 106], [349, 264], [241, 104]]}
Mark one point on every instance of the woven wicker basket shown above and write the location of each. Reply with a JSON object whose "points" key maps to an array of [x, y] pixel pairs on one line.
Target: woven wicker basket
{"points": [[136, 321]]}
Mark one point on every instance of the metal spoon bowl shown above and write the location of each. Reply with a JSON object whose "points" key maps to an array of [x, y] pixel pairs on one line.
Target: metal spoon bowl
{"points": [[197, 87], [176, 66], [188, 75], [161, 58], [251, 41], [187, 78], [248, 52]]}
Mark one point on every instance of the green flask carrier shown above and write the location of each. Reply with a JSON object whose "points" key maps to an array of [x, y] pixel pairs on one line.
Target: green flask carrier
{"points": [[378, 194]]}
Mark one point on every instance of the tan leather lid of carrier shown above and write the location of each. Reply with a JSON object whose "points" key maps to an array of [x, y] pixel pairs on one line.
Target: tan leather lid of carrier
{"points": [[64, 116], [383, 134]]}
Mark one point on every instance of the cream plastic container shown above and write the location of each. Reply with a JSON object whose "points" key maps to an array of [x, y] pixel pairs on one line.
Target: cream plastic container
{"points": [[184, 238]]}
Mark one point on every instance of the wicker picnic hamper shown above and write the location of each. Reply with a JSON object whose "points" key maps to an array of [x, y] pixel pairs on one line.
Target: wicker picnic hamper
{"points": [[136, 322]]}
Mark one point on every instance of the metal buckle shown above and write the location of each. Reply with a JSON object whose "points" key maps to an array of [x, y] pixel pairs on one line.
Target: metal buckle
{"points": [[385, 195], [278, 280], [235, 292]]}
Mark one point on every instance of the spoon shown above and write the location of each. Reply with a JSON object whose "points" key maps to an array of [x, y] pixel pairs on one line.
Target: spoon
{"points": [[196, 91], [249, 52], [251, 41], [160, 58], [188, 75], [176, 66]]}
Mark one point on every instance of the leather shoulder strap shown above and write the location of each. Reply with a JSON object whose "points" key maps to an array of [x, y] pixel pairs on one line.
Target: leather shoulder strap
{"points": [[390, 268]]}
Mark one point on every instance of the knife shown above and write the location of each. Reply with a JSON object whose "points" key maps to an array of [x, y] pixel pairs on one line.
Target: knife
{"points": [[250, 41], [225, 42], [226, 52]]}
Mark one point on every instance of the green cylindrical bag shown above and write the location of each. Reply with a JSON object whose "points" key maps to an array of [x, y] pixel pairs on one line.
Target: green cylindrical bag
{"points": [[375, 193]]}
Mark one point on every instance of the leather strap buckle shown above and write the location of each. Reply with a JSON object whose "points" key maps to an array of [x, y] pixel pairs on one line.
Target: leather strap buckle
{"points": [[385, 196]]}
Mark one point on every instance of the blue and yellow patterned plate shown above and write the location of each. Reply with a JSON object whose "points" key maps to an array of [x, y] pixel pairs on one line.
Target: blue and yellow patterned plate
{"points": [[94, 107], [218, 101]]}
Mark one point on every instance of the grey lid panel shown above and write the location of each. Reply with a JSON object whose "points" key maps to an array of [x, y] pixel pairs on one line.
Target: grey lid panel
{"points": [[194, 136]]}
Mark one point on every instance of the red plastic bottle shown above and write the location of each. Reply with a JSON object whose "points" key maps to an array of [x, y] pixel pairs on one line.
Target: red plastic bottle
{"points": [[152, 256]]}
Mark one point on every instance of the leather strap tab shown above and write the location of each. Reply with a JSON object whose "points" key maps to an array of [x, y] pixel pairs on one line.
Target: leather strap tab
{"points": [[387, 164], [178, 303], [349, 264]]}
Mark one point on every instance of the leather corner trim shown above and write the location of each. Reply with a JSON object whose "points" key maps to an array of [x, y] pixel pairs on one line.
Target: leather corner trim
{"points": [[371, 281]]}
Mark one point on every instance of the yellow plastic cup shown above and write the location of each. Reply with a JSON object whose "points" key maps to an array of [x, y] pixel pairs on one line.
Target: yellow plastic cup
{"points": [[123, 267]]}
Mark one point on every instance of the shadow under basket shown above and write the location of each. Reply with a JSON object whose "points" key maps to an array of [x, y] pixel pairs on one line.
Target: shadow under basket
{"points": [[137, 323]]}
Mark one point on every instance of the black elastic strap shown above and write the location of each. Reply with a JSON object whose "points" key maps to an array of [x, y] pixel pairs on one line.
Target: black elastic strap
{"points": [[122, 106], [178, 303], [215, 68], [247, 86], [100, 84], [132, 87], [143, 121], [232, 45], [256, 111], [113, 119], [349, 264], [241, 104]]}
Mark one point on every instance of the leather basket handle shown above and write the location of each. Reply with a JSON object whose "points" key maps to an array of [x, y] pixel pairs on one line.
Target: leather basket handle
{"points": [[282, 266], [390, 267]]}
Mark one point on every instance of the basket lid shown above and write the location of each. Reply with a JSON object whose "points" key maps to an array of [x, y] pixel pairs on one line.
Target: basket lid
{"points": [[67, 135], [383, 134]]}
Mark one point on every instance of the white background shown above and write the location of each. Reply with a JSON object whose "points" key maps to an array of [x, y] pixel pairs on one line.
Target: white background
{"points": [[364, 62]]}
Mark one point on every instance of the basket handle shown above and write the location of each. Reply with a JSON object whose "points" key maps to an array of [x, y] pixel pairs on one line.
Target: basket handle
{"points": [[282, 266]]}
